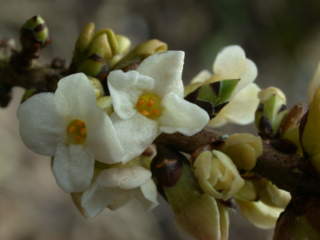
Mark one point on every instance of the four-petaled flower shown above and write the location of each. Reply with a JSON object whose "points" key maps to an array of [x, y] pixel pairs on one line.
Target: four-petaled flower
{"points": [[71, 127], [149, 101], [232, 63]]}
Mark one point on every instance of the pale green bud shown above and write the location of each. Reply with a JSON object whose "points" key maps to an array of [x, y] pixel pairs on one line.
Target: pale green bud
{"points": [[198, 214], [271, 111], [34, 31], [85, 37], [140, 52], [244, 150], [217, 175], [111, 38]]}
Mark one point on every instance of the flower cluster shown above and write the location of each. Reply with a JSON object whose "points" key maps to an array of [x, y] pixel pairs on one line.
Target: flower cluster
{"points": [[70, 126], [97, 131]]}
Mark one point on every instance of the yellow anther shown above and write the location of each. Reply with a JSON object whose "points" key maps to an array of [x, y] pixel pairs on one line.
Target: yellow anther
{"points": [[149, 105], [76, 132]]}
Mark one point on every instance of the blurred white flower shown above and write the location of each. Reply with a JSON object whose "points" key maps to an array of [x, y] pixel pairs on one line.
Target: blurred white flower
{"points": [[149, 101], [232, 63], [114, 187], [71, 127], [217, 175]]}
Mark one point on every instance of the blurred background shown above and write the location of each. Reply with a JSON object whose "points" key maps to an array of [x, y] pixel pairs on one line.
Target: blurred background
{"points": [[281, 36]]}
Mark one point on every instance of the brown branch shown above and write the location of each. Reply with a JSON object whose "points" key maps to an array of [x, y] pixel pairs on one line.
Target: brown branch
{"points": [[288, 171]]}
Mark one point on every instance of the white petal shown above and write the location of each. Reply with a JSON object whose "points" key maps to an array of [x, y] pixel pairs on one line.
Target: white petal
{"points": [[166, 69], [102, 138], [147, 195], [181, 116], [241, 109], [231, 63], [201, 77], [125, 89], [75, 97], [135, 134], [124, 178], [97, 198], [41, 127], [73, 168]]}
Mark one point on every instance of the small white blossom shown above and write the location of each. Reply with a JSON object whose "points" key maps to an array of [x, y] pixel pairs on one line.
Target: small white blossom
{"points": [[149, 101], [114, 187], [232, 63], [71, 127]]}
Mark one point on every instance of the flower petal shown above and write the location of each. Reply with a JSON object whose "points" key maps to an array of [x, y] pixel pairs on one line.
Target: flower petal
{"points": [[201, 77], [73, 168], [181, 116], [41, 127], [97, 198], [241, 109], [102, 138], [147, 195], [125, 88], [135, 134], [231, 63], [124, 178], [75, 97], [113, 188], [166, 69]]}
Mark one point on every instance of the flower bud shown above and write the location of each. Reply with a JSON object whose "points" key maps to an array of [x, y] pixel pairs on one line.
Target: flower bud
{"points": [[270, 112], [244, 150], [96, 52], [33, 32], [85, 38], [211, 96], [197, 213], [310, 131], [217, 174], [140, 52]]}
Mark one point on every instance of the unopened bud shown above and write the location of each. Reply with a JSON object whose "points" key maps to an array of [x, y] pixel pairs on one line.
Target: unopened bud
{"points": [[217, 175], [140, 52], [85, 37], [34, 31], [199, 214], [244, 150], [270, 112]]}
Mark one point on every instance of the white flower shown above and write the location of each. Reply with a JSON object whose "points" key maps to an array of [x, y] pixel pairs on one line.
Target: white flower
{"points": [[149, 101], [114, 187], [232, 63], [69, 126]]}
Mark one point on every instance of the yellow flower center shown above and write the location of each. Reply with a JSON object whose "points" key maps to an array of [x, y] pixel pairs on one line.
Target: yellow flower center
{"points": [[77, 132], [149, 105]]}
